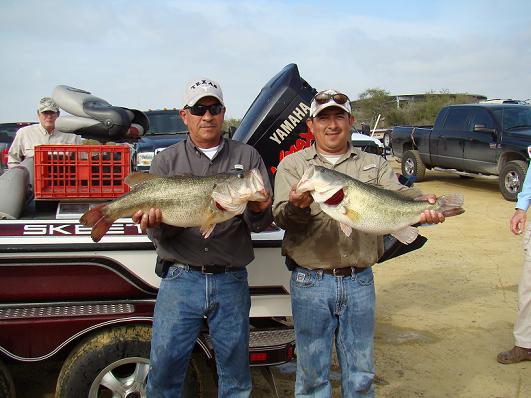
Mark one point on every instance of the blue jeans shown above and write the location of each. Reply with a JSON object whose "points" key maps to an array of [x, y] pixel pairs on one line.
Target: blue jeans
{"points": [[327, 307], [185, 297]]}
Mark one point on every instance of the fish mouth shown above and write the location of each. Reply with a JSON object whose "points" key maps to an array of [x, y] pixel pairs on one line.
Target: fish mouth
{"points": [[306, 183]]}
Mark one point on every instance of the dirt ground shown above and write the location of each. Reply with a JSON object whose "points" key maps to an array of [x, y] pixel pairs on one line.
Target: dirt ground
{"points": [[443, 312]]}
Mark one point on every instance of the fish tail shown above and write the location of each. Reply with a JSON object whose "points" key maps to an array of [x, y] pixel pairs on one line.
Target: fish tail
{"points": [[98, 220], [451, 204], [92, 217]]}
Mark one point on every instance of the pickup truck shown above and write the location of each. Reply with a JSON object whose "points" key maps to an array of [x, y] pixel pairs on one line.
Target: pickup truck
{"points": [[165, 128], [471, 140]]}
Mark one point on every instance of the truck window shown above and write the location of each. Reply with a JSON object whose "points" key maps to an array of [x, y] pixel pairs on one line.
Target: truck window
{"points": [[456, 119], [165, 122], [516, 117], [481, 117]]}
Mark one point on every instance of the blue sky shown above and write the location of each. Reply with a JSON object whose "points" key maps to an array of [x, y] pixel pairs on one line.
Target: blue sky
{"points": [[140, 54]]}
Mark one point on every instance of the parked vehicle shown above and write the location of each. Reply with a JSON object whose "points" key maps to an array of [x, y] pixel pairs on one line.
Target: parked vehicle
{"points": [[470, 140], [7, 135], [166, 128]]}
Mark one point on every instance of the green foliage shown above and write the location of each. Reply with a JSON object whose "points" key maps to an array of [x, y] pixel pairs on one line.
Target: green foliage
{"points": [[418, 110], [229, 125]]}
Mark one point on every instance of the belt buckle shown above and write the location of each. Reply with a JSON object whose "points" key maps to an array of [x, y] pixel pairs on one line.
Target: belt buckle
{"points": [[204, 270]]}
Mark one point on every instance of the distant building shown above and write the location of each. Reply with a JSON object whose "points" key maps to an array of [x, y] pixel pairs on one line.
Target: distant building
{"points": [[403, 99]]}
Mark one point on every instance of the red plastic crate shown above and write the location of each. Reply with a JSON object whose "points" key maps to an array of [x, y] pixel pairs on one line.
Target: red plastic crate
{"points": [[81, 171]]}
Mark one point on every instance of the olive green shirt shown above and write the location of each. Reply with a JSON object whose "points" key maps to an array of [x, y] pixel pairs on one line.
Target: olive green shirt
{"points": [[313, 239]]}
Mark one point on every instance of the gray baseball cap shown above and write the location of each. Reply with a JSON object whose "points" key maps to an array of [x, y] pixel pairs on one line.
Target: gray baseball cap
{"points": [[201, 88], [47, 104]]}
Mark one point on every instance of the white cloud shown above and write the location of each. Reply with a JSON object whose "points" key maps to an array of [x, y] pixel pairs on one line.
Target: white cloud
{"points": [[140, 53]]}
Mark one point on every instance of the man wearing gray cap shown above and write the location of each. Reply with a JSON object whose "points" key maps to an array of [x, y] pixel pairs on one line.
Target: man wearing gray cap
{"points": [[203, 278], [38, 134], [332, 287]]}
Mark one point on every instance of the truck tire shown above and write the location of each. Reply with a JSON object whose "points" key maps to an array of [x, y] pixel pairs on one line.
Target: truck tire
{"points": [[7, 387], [512, 179], [412, 165], [121, 356], [387, 140]]}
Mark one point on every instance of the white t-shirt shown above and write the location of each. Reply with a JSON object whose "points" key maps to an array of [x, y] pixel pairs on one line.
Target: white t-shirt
{"points": [[210, 152]]}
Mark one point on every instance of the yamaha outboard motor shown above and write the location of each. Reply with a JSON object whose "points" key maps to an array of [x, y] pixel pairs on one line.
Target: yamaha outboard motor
{"points": [[275, 124], [95, 118]]}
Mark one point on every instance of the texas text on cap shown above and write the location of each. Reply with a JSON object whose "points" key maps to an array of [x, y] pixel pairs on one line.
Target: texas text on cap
{"points": [[316, 107], [200, 88], [47, 104]]}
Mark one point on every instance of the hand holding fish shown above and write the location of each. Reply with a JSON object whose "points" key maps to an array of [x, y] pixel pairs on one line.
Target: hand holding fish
{"points": [[300, 199], [430, 216], [149, 219], [260, 206]]}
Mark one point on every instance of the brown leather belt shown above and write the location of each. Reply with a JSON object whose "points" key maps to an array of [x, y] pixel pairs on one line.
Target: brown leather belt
{"points": [[346, 271]]}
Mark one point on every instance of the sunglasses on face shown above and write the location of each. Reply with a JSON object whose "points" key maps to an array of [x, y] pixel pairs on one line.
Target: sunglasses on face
{"points": [[200, 110], [323, 97]]}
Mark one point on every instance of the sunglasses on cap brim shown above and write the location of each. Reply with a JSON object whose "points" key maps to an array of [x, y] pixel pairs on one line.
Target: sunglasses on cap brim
{"points": [[323, 97], [200, 110]]}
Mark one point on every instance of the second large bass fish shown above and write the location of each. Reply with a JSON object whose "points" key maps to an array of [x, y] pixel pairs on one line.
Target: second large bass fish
{"points": [[367, 208]]}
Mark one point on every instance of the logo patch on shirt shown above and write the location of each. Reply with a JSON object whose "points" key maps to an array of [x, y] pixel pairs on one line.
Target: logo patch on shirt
{"points": [[238, 167], [300, 276]]}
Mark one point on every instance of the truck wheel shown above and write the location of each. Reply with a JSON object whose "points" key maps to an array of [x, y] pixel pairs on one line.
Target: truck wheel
{"points": [[7, 387], [116, 363], [412, 165], [512, 179], [387, 140]]}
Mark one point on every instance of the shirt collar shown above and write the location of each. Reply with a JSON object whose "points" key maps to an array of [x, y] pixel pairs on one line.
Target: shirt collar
{"points": [[351, 152], [44, 131]]}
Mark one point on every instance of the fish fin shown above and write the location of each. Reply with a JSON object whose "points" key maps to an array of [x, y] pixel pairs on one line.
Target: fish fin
{"points": [[354, 216], [207, 229], [98, 220], [451, 204], [138, 178], [347, 229], [406, 235]]}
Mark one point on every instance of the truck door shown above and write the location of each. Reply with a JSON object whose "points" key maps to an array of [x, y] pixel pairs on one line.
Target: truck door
{"points": [[480, 143], [447, 139]]}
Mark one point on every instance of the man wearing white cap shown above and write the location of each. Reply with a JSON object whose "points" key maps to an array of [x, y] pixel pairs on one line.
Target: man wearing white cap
{"points": [[39, 134], [332, 288], [203, 278]]}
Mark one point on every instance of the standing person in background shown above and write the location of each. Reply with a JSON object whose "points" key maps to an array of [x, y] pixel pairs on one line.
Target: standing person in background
{"points": [[522, 327], [39, 134], [203, 277], [332, 287]]}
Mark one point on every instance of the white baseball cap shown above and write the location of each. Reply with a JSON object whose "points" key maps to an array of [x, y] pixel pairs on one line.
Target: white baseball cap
{"points": [[200, 88], [318, 105]]}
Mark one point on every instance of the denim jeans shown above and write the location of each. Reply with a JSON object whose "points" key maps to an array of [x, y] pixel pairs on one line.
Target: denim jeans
{"points": [[184, 298], [327, 307]]}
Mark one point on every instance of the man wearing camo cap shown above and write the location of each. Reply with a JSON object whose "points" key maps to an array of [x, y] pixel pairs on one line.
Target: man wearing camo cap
{"points": [[41, 133]]}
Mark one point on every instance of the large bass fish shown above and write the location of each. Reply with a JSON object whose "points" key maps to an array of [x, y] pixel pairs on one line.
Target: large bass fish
{"points": [[367, 208], [185, 201]]}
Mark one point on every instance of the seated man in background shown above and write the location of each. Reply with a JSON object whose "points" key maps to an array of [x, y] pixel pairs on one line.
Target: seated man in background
{"points": [[38, 134]]}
